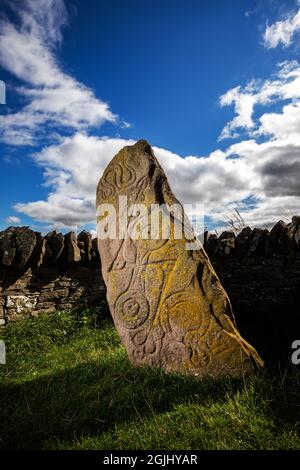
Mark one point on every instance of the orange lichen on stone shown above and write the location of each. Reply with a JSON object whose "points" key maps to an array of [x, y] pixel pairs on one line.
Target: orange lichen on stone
{"points": [[167, 302]]}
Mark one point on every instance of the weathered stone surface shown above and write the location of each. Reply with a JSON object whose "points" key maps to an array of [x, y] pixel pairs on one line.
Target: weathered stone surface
{"points": [[21, 303], [86, 238], [44, 311], [257, 242], [297, 237], [72, 249], [293, 234], [95, 252], [81, 248], [166, 301], [212, 245], [39, 250], [7, 247], [227, 234], [226, 245], [53, 294], [25, 241], [242, 241], [277, 239], [54, 246]]}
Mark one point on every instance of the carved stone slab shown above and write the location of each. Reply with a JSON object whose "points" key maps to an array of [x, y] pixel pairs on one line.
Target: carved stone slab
{"points": [[166, 301]]}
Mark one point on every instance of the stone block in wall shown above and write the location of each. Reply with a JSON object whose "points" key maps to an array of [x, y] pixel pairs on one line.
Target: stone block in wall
{"points": [[2, 304], [54, 247], [7, 247], [257, 243], [43, 311], [81, 248], [277, 239], [39, 251], [2, 311], [44, 305], [86, 238], [211, 245], [227, 234], [226, 246], [78, 294], [16, 246], [46, 287], [25, 241], [47, 296], [63, 282], [20, 304], [293, 234], [242, 241], [65, 307], [72, 251]]}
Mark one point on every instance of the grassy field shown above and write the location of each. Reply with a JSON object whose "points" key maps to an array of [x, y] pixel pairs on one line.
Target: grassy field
{"points": [[68, 385]]}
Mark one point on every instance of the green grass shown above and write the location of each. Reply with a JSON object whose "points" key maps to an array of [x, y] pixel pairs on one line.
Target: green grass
{"points": [[68, 385]]}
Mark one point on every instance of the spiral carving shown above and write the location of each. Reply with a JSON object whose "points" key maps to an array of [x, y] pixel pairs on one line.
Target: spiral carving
{"points": [[116, 177], [132, 309]]}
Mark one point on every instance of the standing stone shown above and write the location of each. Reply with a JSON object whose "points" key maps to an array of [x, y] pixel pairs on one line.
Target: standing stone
{"points": [[167, 302]]}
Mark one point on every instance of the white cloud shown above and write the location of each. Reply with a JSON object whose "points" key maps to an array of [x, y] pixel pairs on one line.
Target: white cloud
{"points": [[53, 97], [224, 180], [243, 106], [71, 169], [282, 32], [13, 220], [283, 86]]}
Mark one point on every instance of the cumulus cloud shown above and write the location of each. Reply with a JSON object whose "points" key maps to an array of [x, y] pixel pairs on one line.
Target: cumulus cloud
{"points": [[243, 102], [282, 32], [13, 220], [71, 171], [73, 168], [283, 86], [268, 173], [52, 97]]}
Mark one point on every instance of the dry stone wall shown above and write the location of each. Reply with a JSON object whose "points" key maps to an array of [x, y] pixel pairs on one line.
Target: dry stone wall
{"points": [[259, 269], [46, 274]]}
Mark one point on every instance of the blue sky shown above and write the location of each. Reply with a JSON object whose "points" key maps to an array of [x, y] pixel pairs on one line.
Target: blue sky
{"points": [[214, 86]]}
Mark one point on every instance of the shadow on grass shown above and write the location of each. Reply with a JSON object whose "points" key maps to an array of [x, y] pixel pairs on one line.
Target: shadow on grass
{"points": [[93, 397]]}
